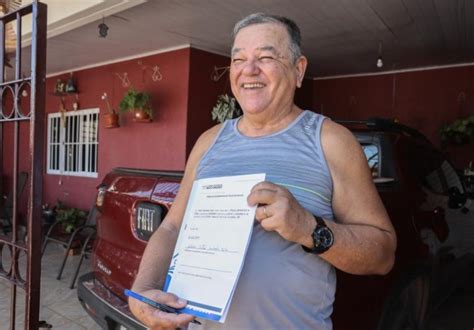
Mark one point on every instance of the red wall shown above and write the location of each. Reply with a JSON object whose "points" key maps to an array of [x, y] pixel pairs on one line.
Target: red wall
{"points": [[304, 96], [203, 92], [424, 100], [182, 102], [156, 145]]}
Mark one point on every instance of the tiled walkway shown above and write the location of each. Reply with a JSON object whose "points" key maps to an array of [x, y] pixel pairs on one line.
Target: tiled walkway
{"points": [[59, 304]]}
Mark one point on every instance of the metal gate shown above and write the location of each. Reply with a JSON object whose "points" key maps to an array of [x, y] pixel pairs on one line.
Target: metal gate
{"points": [[12, 112]]}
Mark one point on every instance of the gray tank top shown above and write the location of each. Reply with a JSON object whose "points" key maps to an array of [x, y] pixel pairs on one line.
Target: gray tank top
{"points": [[281, 286]]}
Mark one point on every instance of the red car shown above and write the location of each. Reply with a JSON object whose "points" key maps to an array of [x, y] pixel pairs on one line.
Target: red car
{"points": [[422, 193]]}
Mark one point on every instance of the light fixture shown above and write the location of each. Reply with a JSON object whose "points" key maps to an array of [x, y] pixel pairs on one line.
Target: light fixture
{"points": [[103, 29], [379, 62]]}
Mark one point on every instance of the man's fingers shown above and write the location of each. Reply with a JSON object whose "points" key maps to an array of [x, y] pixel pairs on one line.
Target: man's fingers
{"points": [[261, 196], [268, 224], [173, 320], [263, 212], [265, 185], [184, 319], [155, 318], [161, 320], [169, 299], [170, 320]]}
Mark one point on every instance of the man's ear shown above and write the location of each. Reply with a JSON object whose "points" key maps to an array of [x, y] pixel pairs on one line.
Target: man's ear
{"points": [[301, 65]]}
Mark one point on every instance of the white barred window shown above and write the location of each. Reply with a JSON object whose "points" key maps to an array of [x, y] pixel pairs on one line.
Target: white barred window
{"points": [[73, 143]]}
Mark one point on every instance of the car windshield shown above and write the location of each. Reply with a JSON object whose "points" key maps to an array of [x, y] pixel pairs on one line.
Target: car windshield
{"points": [[371, 152]]}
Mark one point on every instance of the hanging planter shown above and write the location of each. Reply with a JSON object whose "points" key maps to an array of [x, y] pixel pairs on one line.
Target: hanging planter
{"points": [[459, 132], [141, 115], [225, 108], [111, 118], [139, 104]]}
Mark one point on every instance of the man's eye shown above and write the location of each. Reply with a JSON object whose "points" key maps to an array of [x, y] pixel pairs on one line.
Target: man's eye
{"points": [[266, 58], [237, 60]]}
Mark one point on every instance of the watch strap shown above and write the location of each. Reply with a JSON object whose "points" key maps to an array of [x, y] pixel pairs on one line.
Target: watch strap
{"points": [[319, 221]]}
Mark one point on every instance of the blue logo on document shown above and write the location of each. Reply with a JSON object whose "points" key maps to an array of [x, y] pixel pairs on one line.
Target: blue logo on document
{"points": [[170, 272]]}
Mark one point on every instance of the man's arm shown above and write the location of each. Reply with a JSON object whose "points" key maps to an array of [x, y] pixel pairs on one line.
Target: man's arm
{"points": [[364, 238], [158, 252]]}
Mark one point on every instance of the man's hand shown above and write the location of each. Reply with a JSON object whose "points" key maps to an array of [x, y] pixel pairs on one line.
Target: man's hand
{"points": [[279, 211], [156, 319]]}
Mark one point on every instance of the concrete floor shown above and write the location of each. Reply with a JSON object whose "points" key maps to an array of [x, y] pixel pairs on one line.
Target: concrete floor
{"points": [[59, 304]]}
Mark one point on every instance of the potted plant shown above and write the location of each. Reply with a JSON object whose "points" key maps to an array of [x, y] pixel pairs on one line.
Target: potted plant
{"points": [[69, 217], [137, 102], [111, 118], [225, 108], [460, 131]]}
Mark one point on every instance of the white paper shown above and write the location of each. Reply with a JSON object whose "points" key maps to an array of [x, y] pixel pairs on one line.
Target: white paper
{"points": [[212, 244]]}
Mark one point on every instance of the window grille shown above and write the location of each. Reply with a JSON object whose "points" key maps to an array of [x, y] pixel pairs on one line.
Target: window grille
{"points": [[73, 143]]}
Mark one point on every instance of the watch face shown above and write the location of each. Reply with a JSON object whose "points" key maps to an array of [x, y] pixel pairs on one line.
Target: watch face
{"points": [[323, 238]]}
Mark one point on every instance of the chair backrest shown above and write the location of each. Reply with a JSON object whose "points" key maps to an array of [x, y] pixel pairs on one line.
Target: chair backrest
{"points": [[7, 209], [92, 216]]}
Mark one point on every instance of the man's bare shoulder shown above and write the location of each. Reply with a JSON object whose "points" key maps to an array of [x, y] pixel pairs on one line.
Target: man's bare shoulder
{"points": [[206, 139], [208, 136], [202, 145], [336, 138], [342, 151]]}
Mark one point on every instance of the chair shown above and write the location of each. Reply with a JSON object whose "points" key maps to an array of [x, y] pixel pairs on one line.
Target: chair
{"points": [[6, 210], [82, 234], [85, 253]]}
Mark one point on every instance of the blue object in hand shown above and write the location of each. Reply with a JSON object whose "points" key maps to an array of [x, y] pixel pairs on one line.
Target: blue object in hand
{"points": [[161, 307]]}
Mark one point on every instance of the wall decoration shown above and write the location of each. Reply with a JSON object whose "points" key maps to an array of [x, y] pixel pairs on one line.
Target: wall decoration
{"points": [[111, 118]]}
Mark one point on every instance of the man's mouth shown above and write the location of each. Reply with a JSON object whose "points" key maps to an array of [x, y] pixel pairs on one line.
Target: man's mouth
{"points": [[252, 85]]}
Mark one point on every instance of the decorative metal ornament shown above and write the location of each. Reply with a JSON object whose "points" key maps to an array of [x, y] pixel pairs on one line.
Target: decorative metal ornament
{"points": [[103, 29]]}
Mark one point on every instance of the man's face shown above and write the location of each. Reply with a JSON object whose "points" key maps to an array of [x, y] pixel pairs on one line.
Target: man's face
{"points": [[263, 76]]}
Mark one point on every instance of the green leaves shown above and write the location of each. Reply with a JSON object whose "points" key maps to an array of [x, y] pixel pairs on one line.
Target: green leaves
{"points": [[460, 131], [134, 100], [70, 217], [225, 108]]}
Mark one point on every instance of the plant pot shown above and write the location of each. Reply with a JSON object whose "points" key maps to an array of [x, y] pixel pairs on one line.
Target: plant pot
{"points": [[141, 116], [111, 120]]}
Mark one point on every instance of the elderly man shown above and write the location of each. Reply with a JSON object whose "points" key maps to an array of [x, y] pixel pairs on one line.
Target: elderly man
{"points": [[318, 210]]}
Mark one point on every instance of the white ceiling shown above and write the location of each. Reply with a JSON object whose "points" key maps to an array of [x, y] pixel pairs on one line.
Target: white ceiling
{"points": [[339, 36]]}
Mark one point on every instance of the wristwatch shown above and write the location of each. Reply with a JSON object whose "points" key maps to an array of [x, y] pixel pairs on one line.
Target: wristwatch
{"points": [[323, 238]]}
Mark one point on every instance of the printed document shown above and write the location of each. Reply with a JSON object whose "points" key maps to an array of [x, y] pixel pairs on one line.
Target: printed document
{"points": [[212, 244]]}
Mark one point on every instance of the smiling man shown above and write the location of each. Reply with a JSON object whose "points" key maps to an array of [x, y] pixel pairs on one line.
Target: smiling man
{"points": [[318, 210]]}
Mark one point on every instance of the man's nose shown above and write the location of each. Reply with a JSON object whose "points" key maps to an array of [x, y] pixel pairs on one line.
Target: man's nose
{"points": [[251, 67]]}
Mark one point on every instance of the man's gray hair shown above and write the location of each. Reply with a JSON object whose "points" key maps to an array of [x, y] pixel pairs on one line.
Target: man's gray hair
{"points": [[291, 27]]}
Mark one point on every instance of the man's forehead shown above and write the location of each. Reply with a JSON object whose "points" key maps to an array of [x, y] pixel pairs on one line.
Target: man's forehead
{"points": [[263, 30], [271, 35]]}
